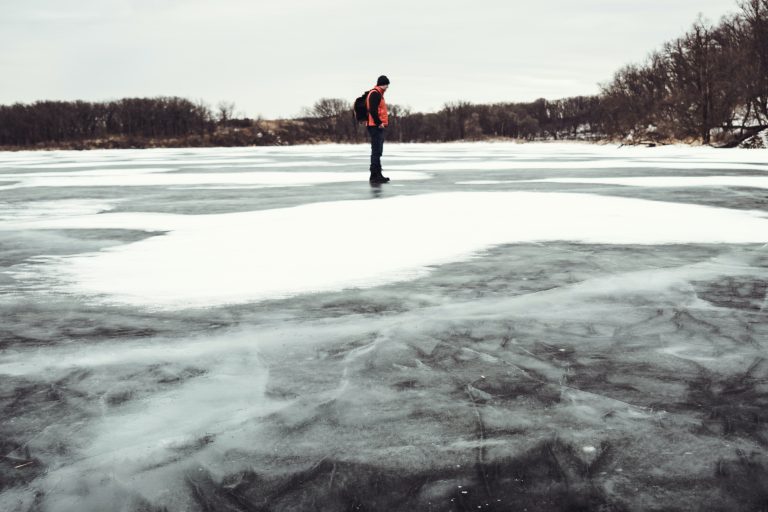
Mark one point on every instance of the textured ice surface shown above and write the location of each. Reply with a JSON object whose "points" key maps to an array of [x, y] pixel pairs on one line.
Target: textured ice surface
{"points": [[49, 210], [499, 344]]}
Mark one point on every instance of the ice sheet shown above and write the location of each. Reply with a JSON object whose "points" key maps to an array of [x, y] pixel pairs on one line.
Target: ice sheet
{"points": [[525, 349]]}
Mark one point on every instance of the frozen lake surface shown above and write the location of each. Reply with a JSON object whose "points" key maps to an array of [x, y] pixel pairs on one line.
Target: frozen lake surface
{"points": [[502, 327]]}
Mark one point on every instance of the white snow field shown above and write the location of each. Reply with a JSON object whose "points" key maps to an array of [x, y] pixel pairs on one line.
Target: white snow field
{"points": [[502, 327]]}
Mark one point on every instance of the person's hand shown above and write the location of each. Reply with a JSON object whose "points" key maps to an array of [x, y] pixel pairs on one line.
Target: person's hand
{"points": [[381, 127]]}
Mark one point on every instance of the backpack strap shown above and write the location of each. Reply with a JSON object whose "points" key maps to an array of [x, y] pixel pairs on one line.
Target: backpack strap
{"points": [[368, 97]]}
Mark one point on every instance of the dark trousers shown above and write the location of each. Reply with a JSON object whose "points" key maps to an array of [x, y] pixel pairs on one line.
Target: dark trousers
{"points": [[377, 147]]}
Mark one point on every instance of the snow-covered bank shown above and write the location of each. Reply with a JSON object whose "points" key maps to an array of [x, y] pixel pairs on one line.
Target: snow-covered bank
{"points": [[757, 141]]}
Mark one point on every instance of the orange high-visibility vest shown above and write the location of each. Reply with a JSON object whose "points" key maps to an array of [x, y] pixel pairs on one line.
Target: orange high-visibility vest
{"points": [[383, 114]]}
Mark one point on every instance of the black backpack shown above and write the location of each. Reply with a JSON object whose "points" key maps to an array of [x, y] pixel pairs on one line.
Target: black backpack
{"points": [[360, 108]]}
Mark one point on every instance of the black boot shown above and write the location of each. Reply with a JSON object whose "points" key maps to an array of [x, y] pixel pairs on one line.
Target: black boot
{"points": [[376, 177]]}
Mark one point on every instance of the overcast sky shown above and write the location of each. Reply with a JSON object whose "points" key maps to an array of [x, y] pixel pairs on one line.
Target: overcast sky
{"points": [[273, 57]]}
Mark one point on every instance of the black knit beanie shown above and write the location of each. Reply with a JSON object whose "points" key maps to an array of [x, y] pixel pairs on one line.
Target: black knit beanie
{"points": [[383, 80]]}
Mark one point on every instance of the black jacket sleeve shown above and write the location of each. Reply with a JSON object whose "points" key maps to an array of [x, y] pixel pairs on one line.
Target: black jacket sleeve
{"points": [[374, 99]]}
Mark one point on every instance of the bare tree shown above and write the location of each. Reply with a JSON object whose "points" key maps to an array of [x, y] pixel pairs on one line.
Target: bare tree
{"points": [[225, 111]]}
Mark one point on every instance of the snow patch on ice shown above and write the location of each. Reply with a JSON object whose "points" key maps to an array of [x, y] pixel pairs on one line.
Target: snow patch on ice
{"points": [[99, 172], [490, 182], [661, 181], [211, 260], [509, 165], [220, 178]]}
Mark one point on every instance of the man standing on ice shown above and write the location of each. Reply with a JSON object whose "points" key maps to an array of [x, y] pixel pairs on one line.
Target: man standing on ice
{"points": [[378, 119]]}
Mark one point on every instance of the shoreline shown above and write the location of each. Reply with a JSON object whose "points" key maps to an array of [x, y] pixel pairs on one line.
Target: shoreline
{"points": [[86, 146]]}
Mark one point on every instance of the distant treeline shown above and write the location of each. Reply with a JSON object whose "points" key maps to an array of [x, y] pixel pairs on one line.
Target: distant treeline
{"points": [[560, 119], [138, 122], [711, 85], [130, 119]]}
